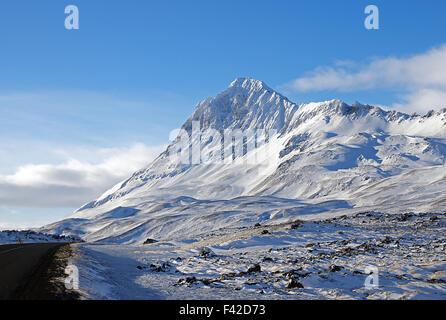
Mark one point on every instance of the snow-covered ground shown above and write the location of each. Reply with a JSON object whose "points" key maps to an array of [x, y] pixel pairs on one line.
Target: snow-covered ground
{"points": [[304, 260], [29, 236]]}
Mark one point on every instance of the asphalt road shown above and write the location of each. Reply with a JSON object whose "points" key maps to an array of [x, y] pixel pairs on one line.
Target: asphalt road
{"points": [[19, 263]]}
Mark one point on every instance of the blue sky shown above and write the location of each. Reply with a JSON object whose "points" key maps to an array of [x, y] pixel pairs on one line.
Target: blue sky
{"points": [[103, 99]]}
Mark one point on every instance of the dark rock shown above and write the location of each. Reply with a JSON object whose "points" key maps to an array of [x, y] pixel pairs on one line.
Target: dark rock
{"points": [[156, 268], [405, 216], [190, 280], [296, 225], [139, 267], [334, 268], [164, 267], [294, 284], [386, 240], [206, 252], [228, 276], [289, 275], [293, 274], [436, 281], [255, 268], [149, 241], [347, 250], [265, 232], [207, 281]]}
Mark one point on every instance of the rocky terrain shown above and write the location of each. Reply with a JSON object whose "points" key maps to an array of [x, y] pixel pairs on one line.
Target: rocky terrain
{"points": [[302, 260]]}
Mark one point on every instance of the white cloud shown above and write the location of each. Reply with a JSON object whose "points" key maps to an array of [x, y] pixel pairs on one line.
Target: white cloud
{"points": [[73, 182], [420, 79], [423, 100]]}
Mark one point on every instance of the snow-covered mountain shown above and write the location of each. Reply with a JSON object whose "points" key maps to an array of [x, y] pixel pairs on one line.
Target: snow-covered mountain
{"points": [[305, 160]]}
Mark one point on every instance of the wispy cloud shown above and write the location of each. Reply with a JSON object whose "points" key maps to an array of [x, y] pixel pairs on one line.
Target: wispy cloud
{"points": [[420, 80], [74, 182]]}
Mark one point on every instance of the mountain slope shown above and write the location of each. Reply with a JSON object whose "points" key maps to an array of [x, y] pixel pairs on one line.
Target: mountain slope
{"points": [[294, 160]]}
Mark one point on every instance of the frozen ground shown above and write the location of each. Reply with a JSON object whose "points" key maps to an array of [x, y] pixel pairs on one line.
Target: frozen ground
{"points": [[29, 236], [302, 260]]}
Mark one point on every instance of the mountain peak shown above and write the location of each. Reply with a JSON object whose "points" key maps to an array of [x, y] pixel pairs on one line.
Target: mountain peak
{"points": [[247, 103], [248, 83]]}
